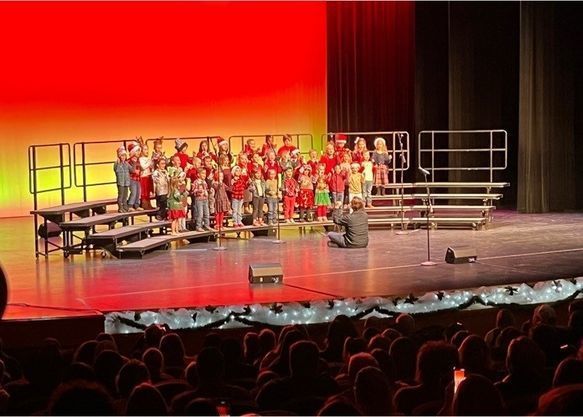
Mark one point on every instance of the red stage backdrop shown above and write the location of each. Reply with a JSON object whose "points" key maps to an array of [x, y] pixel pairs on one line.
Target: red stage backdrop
{"points": [[95, 71]]}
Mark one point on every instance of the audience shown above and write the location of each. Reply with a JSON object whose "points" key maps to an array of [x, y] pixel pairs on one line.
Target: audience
{"points": [[389, 368]]}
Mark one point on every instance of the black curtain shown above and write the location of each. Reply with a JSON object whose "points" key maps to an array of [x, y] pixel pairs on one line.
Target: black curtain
{"points": [[550, 137], [371, 55]]}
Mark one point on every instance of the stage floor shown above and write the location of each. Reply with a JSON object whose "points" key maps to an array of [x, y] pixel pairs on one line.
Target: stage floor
{"points": [[515, 248]]}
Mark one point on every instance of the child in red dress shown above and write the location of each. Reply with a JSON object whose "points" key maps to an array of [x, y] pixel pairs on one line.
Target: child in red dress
{"points": [[290, 188], [306, 195]]}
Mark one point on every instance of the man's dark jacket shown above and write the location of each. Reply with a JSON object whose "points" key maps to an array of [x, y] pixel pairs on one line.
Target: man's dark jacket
{"points": [[356, 226]]}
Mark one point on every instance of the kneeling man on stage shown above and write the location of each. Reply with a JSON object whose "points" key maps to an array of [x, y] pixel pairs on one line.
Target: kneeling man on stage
{"points": [[355, 225]]}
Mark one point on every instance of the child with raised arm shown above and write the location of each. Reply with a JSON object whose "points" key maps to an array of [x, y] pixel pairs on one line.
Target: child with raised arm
{"points": [[306, 195], [146, 184], [121, 167], [367, 172], [271, 163], [269, 145], [322, 199], [222, 203], [258, 189], [238, 187], [359, 150], [290, 188], [161, 188], [200, 193], [272, 193]]}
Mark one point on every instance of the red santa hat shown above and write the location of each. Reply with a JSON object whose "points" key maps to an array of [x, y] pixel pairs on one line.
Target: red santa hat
{"points": [[134, 148], [221, 141], [340, 139], [121, 151]]}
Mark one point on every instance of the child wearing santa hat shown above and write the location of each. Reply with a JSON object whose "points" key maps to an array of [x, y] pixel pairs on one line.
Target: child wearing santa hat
{"points": [[134, 151], [340, 142], [181, 147], [381, 160], [224, 149], [121, 167], [306, 195]]}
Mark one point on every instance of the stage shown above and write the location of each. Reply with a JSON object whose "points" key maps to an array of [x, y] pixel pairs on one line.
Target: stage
{"points": [[515, 248]]}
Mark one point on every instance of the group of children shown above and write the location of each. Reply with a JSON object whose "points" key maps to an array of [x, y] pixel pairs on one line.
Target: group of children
{"points": [[217, 183]]}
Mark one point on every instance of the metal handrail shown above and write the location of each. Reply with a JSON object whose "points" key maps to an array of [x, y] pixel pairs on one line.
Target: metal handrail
{"points": [[491, 150], [392, 148], [83, 164], [276, 136], [64, 167], [187, 139]]}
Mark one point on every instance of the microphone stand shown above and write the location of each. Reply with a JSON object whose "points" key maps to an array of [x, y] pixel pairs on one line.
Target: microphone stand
{"points": [[278, 240], [428, 262], [402, 157]]}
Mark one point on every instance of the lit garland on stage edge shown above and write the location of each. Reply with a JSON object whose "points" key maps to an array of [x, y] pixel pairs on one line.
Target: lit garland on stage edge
{"points": [[323, 311]]}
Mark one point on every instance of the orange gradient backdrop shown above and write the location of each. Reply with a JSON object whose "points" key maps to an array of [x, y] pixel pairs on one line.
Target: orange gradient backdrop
{"points": [[105, 71]]}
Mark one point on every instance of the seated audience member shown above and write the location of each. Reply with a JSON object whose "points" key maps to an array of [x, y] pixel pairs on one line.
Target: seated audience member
{"points": [[356, 362], [575, 327], [106, 367], [210, 366], [81, 399], [435, 363], [132, 374], [372, 392], [338, 407], [475, 358], [379, 342], [403, 353], [267, 341], [543, 314], [86, 352], [500, 350], [569, 371], [549, 339], [338, 330], [459, 337], [504, 318], [391, 334], [146, 400], [251, 348], [305, 381], [405, 324], [525, 381], [235, 367], [79, 370], [385, 365], [280, 364], [172, 349], [562, 401], [201, 407], [477, 396], [275, 352], [154, 361]]}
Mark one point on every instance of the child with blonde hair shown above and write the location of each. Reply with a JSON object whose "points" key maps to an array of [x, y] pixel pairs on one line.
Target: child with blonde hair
{"points": [[290, 188], [368, 173], [381, 160], [306, 195], [355, 182], [322, 199], [272, 193]]}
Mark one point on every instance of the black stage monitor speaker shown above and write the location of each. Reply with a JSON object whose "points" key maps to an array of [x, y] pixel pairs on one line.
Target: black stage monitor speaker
{"points": [[52, 230], [460, 255], [265, 274]]}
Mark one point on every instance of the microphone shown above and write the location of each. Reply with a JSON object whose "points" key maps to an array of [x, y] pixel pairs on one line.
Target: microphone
{"points": [[424, 171]]}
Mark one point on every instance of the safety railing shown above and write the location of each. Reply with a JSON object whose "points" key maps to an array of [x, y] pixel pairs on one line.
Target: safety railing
{"points": [[84, 164], [492, 143], [398, 146], [193, 143], [303, 141], [37, 156]]}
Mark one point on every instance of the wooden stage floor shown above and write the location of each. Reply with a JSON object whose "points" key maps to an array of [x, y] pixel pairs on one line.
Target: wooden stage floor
{"points": [[515, 248]]}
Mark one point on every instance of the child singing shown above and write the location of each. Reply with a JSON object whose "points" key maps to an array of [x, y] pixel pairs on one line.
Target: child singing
{"points": [[355, 182], [238, 187], [337, 185], [146, 184], [200, 193], [381, 160], [290, 188], [272, 194], [161, 188], [322, 199], [121, 167], [258, 189], [135, 173], [222, 203], [367, 172], [306, 195], [175, 204]]}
